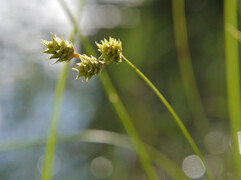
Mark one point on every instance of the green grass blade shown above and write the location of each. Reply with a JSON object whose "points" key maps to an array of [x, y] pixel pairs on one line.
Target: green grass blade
{"points": [[232, 76], [119, 107], [102, 137], [51, 141], [172, 112], [186, 69], [129, 127], [52, 135]]}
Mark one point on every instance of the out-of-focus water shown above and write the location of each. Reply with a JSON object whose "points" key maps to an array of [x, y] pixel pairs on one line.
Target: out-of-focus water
{"points": [[28, 79]]}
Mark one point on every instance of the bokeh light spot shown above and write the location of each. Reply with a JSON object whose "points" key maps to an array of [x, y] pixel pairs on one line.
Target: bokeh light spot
{"points": [[214, 164], [101, 167], [216, 142], [193, 167]]}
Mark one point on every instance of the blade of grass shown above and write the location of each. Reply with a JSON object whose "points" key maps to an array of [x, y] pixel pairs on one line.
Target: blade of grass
{"points": [[54, 120], [119, 107], [51, 141], [186, 69], [232, 77], [102, 137], [128, 125], [172, 112]]}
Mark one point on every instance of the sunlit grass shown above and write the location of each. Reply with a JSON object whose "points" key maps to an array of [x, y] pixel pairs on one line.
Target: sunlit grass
{"points": [[232, 77]]}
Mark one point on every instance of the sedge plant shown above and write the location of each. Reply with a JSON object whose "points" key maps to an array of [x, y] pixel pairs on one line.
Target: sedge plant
{"points": [[111, 52], [87, 68]]}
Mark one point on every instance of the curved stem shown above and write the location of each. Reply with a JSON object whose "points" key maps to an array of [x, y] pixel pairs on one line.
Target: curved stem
{"points": [[172, 112], [119, 107]]}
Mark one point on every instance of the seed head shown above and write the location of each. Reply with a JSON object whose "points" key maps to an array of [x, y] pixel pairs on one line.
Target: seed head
{"points": [[111, 50], [89, 67], [60, 49]]}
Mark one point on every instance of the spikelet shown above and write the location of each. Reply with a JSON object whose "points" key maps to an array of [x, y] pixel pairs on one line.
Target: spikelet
{"points": [[60, 49], [88, 67], [111, 50]]}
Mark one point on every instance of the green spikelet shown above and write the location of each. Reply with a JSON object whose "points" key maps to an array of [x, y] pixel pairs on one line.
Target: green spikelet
{"points": [[60, 49], [111, 50], [89, 67]]}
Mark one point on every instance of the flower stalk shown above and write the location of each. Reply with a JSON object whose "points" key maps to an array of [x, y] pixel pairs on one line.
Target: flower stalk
{"points": [[111, 51]]}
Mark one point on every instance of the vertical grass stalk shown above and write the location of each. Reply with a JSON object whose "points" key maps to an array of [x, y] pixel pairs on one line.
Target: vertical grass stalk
{"points": [[186, 68], [51, 141], [54, 120], [172, 112], [129, 127], [232, 77], [119, 107]]}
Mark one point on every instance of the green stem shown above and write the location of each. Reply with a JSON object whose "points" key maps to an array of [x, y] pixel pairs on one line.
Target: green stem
{"points": [[54, 120], [172, 112], [129, 127], [119, 107], [51, 141], [185, 66], [102, 137], [232, 77]]}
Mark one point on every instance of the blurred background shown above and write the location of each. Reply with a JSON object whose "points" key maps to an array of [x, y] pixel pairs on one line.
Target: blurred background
{"points": [[146, 30]]}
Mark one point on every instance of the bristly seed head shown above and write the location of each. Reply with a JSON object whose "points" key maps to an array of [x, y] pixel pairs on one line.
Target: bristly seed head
{"points": [[111, 50], [64, 51], [60, 49], [89, 67]]}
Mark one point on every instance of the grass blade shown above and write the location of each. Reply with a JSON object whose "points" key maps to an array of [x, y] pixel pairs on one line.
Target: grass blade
{"points": [[186, 69], [51, 141], [119, 107], [172, 112], [102, 137], [232, 77]]}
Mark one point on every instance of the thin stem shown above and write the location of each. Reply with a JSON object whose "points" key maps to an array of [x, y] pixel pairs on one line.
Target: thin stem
{"points": [[102, 137], [129, 127], [119, 107], [54, 120], [232, 77], [172, 112], [186, 68], [51, 141]]}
